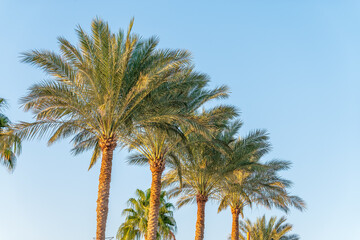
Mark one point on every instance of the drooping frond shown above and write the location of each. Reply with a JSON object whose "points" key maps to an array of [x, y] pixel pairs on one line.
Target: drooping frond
{"points": [[205, 162], [258, 186], [10, 141]]}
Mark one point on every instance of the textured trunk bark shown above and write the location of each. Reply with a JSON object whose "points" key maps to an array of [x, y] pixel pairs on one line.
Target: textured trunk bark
{"points": [[107, 147], [200, 221], [235, 223], [157, 167]]}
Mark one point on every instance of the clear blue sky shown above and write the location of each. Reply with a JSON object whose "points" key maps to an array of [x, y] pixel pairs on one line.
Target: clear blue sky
{"points": [[293, 67]]}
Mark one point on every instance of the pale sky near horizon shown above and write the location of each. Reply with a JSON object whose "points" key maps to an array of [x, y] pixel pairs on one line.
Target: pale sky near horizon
{"points": [[293, 67]]}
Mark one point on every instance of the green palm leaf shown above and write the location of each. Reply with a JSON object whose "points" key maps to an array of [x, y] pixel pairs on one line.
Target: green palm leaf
{"points": [[267, 230], [135, 225], [10, 142]]}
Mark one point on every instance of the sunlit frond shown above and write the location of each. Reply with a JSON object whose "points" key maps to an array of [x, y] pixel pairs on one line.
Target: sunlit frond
{"points": [[135, 225], [10, 141], [267, 230]]}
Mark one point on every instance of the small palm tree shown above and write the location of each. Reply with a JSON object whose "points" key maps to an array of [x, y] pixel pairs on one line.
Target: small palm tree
{"points": [[10, 143], [137, 215], [205, 164], [267, 230], [102, 91]]}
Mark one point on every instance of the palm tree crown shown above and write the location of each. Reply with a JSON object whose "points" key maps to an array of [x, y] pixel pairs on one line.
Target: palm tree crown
{"points": [[267, 230], [259, 186], [206, 162], [136, 222], [102, 90]]}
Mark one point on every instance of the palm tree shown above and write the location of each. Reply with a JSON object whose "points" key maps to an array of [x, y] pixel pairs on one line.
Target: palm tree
{"points": [[261, 186], [263, 230], [136, 223], [155, 145], [203, 166], [10, 143], [102, 91]]}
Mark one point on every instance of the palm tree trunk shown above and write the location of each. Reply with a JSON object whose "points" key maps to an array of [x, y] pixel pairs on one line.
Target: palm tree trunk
{"points": [[200, 221], [235, 223], [107, 147], [157, 167]]}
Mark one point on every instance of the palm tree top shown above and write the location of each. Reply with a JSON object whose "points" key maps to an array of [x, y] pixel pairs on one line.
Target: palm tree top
{"points": [[207, 162], [259, 186], [110, 85], [268, 230]]}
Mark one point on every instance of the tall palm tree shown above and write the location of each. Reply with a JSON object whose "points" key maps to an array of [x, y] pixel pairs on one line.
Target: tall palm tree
{"points": [[267, 230], [203, 166], [100, 92], [155, 145], [137, 215], [10, 143], [260, 186]]}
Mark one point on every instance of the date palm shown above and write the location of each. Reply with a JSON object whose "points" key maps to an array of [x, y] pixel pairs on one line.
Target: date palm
{"points": [[206, 163], [10, 143], [136, 222], [155, 145], [101, 91], [267, 230], [260, 186]]}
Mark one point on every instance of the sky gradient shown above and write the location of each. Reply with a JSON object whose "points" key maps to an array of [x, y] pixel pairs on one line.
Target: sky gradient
{"points": [[293, 67]]}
